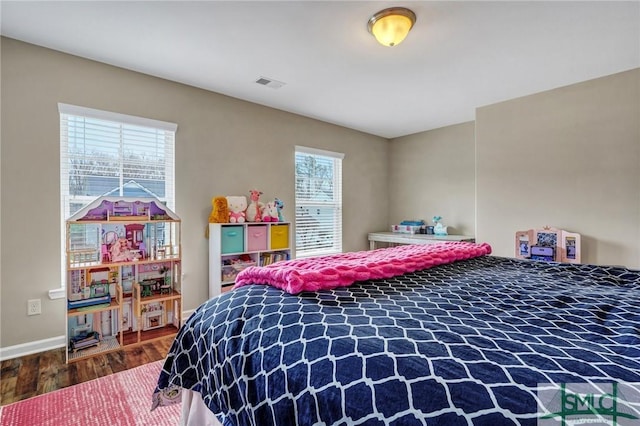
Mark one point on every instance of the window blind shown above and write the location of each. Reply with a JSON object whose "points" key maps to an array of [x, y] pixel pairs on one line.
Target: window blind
{"points": [[110, 154], [318, 199]]}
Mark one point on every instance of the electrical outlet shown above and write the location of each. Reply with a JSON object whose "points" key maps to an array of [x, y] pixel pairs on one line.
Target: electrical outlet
{"points": [[34, 307]]}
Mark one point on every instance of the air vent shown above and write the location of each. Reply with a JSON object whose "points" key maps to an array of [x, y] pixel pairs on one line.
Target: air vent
{"points": [[269, 82]]}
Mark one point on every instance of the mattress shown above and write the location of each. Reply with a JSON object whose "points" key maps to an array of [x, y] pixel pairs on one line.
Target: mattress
{"points": [[483, 341]]}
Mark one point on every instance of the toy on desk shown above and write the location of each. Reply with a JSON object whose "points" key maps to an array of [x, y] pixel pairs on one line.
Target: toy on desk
{"points": [[237, 208], [546, 253], [279, 205], [409, 227], [270, 212], [254, 210], [439, 229], [549, 244], [412, 223]]}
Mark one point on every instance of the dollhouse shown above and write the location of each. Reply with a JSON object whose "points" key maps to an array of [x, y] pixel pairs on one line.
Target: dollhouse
{"points": [[548, 244], [123, 261]]}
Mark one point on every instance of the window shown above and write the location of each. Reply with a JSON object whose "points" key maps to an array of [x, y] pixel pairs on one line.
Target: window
{"points": [[318, 202], [105, 153]]}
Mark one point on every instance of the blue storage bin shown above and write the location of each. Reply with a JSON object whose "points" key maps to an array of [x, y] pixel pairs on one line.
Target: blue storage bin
{"points": [[232, 239]]}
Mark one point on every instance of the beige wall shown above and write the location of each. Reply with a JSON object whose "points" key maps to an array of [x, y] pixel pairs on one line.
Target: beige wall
{"points": [[433, 173], [568, 158], [224, 146]]}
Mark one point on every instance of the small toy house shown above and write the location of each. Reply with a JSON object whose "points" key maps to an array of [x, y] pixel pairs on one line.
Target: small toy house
{"points": [[548, 243], [123, 258]]}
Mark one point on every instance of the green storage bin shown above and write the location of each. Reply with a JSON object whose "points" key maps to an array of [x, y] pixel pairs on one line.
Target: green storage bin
{"points": [[232, 239]]}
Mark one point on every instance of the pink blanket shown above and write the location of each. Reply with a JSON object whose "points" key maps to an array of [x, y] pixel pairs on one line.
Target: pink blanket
{"points": [[340, 270]]}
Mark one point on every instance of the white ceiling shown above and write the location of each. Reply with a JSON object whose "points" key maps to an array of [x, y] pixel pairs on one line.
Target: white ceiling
{"points": [[459, 55]]}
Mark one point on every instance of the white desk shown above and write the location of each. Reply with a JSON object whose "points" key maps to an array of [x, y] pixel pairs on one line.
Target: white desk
{"points": [[398, 238]]}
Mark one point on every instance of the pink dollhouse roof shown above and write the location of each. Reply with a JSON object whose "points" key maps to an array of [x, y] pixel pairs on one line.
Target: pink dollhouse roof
{"points": [[112, 206]]}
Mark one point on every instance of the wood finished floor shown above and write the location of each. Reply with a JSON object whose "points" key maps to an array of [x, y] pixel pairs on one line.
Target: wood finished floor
{"points": [[32, 375]]}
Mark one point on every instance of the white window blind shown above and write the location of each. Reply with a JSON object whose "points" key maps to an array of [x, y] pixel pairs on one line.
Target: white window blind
{"points": [[318, 195], [105, 153]]}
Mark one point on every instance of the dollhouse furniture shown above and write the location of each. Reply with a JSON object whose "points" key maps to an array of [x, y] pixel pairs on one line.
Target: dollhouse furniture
{"points": [[549, 244], [146, 288], [153, 317], [143, 249], [104, 251], [84, 340], [119, 253], [165, 287], [133, 234]]}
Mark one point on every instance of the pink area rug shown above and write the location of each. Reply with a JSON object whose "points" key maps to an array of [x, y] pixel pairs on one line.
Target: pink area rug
{"points": [[121, 399]]}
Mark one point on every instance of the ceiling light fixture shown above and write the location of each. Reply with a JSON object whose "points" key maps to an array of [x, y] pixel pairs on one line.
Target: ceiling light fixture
{"points": [[391, 26]]}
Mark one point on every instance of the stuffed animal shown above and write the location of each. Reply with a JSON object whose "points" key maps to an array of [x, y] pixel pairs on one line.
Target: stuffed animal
{"points": [[254, 211], [219, 212], [279, 205], [439, 229], [237, 206], [270, 212]]}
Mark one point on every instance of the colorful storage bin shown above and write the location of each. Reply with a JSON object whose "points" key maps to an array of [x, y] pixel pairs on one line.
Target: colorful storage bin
{"points": [[279, 237], [232, 240], [256, 237]]}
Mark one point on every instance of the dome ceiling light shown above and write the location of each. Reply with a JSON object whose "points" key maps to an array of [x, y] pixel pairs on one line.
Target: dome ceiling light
{"points": [[391, 26]]}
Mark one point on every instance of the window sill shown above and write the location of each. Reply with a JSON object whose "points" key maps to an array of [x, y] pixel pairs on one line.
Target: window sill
{"points": [[58, 293]]}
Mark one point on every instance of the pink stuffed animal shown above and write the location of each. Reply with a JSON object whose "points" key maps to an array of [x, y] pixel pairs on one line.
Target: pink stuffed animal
{"points": [[254, 210]]}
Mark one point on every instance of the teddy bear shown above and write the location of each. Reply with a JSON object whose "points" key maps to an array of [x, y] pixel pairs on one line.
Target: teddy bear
{"points": [[270, 212], [237, 206], [219, 212], [254, 210]]}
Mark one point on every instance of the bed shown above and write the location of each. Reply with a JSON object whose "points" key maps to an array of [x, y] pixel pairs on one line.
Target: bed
{"points": [[468, 339]]}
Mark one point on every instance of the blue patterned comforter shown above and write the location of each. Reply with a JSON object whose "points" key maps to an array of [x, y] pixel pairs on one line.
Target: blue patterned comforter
{"points": [[458, 344]]}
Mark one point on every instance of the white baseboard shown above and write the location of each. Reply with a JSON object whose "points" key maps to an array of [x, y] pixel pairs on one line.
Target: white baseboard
{"points": [[186, 314], [32, 347]]}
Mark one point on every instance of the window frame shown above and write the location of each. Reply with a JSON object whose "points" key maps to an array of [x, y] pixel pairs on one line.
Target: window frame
{"points": [[66, 114], [335, 203]]}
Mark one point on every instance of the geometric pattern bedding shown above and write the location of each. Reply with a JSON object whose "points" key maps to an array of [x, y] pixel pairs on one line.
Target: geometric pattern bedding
{"points": [[460, 344]]}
